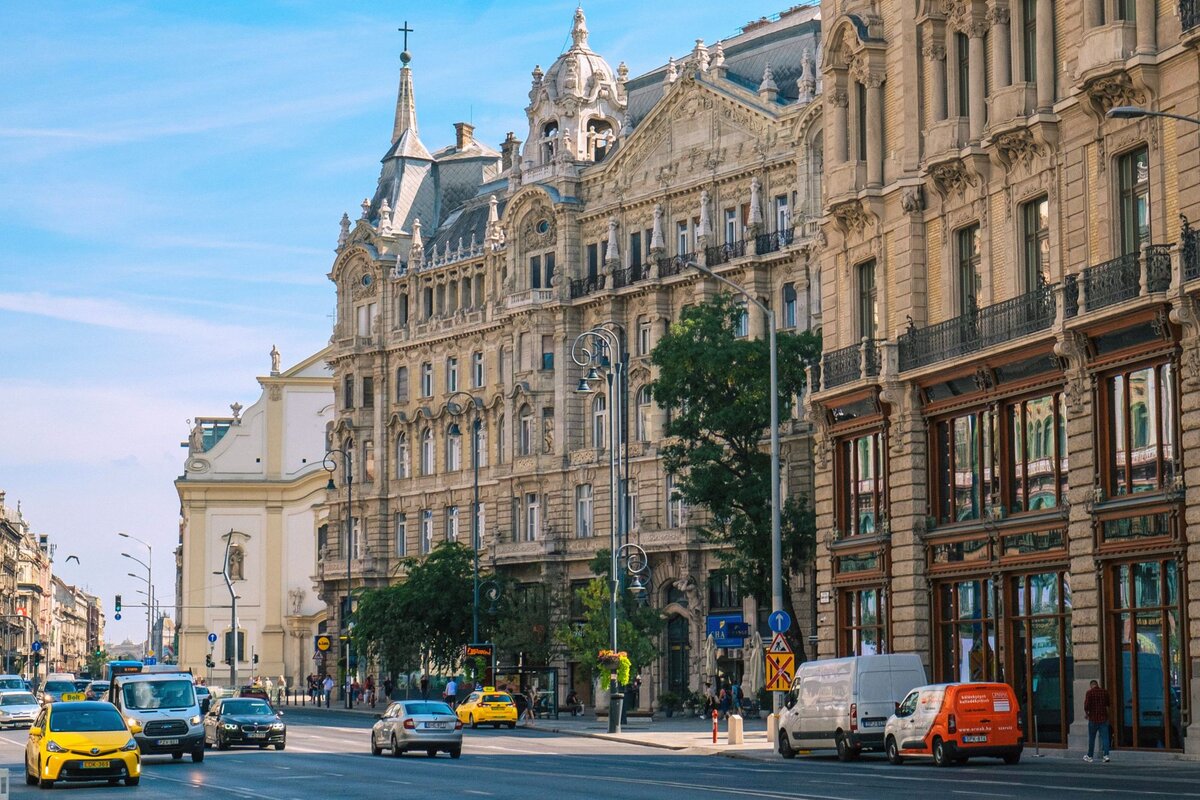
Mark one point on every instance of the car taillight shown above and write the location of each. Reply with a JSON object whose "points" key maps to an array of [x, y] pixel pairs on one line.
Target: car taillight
{"points": [[951, 724], [1020, 723], [854, 716], [458, 725], [409, 725]]}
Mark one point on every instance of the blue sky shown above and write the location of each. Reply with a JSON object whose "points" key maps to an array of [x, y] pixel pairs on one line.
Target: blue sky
{"points": [[171, 178]]}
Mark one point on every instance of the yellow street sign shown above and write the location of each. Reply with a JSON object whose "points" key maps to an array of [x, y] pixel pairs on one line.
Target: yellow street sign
{"points": [[324, 643], [780, 669]]}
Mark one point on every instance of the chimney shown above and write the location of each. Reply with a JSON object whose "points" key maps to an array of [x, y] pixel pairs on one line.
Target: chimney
{"points": [[463, 134], [510, 151]]}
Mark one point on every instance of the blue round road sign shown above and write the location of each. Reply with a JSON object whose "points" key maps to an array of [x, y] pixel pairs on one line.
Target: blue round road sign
{"points": [[212, 638], [117, 616], [779, 621], [36, 647]]}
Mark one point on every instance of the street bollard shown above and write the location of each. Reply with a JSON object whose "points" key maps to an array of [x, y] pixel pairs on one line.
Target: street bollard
{"points": [[714, 726], [772, 721], [733, 731]]}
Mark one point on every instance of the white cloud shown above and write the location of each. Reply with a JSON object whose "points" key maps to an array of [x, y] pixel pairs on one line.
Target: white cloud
{"points": [[119, 316]]}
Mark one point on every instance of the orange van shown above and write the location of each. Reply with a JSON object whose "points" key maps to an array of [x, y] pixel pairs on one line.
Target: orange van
{"points": [[953, 722]]}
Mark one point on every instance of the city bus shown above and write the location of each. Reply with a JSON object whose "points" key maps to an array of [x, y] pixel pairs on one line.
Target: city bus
{"points": [[114, 668]]}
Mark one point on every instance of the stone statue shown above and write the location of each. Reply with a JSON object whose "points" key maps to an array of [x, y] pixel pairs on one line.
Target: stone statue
{"points": [[296, 596], [237, 565], [196, 439], [274, 360], [547, 434]]}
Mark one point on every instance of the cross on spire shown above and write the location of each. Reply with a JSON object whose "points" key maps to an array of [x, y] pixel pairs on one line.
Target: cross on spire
{"points": [[406, 31]]}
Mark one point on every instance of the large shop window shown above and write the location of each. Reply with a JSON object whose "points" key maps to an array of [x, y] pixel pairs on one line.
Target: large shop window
{"points": [[1146, 631], [966, 624], [1142, 421], [1037, 468], [1039, 647], [863, 622], [860, 480], [966, 473]]}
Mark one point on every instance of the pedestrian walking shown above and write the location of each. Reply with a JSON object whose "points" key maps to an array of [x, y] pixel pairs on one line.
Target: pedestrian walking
{"points": [[735, 696], [1096, 704], [371, 690], [723, 702], [327, 687], [387, 690], [424, 686], [450, 695]]}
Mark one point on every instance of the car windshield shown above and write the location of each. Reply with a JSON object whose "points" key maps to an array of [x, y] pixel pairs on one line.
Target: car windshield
{"points": [[81, 685], [68, 718], [427, 708], [248, 708], [158, 694], [99, 687], [18, 699], [496, 698], [58, 686], [12, 683]]}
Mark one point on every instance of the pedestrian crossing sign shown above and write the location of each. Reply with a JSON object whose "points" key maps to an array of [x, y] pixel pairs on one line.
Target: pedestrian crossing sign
{"points": [[780, 669]]}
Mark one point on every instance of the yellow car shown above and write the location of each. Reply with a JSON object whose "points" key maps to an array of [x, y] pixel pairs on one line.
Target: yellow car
{"points": [[81, 741], [488, 706]]}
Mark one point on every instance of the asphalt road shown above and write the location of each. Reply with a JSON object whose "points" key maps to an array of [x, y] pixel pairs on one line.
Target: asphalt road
{"points": [[328, 757]]}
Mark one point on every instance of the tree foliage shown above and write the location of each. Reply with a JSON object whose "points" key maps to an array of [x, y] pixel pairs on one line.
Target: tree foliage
{"points": [[523, 623], [717, 386]]}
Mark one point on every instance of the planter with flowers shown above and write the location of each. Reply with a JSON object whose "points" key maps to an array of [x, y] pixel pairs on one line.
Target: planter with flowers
{"points": [[608, 661]]}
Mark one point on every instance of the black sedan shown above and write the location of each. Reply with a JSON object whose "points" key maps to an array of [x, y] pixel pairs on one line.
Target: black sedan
{"points": [[244, 721]]}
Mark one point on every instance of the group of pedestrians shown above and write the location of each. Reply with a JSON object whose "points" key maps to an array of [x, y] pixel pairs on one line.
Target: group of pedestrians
{"points": [[319, 688], [724, 699]]}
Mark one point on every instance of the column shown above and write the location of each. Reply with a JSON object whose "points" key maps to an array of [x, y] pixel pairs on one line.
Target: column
{"points": [[874, 124], [1001, 46], [1045, 54], [977, 100], [1146, 21], [838, 99], [936, 55]]}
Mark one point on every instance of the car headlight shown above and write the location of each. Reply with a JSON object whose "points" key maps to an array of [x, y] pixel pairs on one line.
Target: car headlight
{"points": [[277, 726], [229, 726], [52, 746], [130, 721], [130, 745], [195, 720]]}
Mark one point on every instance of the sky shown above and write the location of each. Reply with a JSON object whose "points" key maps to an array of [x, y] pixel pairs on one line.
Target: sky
{"points": [[171, 179]]}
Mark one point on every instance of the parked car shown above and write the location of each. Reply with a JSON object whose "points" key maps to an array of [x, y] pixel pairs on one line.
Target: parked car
{"points": [[954, 722], [17, 709], [844, 703], [428, 725], [53, 690], [97, 690], [13, 683], [488, 707], [205, 698], [244, 721], [81, 741]]}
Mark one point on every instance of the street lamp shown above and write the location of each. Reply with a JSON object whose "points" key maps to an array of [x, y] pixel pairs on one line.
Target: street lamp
{"points": [[601, 347], [476, 426], [1136, 112], [330, 465], [149, 577], [776, 537], [637, 564]]}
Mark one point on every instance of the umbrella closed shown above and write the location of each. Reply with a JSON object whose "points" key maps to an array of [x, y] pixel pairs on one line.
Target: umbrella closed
{"points": [[710, 657], [752, 676]]}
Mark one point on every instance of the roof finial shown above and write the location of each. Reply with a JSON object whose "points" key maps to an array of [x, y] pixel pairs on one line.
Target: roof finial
{"points": [[406, 105], [579, 31]]}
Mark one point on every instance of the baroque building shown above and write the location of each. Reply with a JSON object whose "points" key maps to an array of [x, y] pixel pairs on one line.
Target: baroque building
{"points": [[470, 273], [1007, 416]]}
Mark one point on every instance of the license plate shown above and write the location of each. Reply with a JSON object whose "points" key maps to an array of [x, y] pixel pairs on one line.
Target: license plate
{"points": [[97, 764], [167, 741], [873, 723], [257, 735], [974, 739], [437, 725]]}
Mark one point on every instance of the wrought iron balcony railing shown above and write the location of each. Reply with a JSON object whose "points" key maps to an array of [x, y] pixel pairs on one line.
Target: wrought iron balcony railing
{"points": [[629, 276], [1189, 250], [674, 265], [1121, 278], [722, 253], [846, 365], [771, 242], [586, 285], [977, 329]]}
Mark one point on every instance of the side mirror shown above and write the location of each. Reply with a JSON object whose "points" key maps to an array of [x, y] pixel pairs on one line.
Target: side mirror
{"points": [[35, 731], [791, 703], [379, 716], [135, 728]]}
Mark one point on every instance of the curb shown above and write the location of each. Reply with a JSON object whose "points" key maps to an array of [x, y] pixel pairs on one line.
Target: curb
{"points": [[692, 749]]}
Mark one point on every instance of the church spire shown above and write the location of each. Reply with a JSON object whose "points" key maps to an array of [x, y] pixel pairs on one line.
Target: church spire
{"points": [[406, 106]]}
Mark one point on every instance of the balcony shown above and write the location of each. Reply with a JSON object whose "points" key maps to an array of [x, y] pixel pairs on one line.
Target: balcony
{"points": [[1189, 251], [1104, 50], [723, 253], [674, 265], [1119, 279], [530, 297], [587, 285], [1189, 15], [772, 242], [629, 276], [845, 180], [1011, 103], [851, 363], [948, 136], [977, 329]]}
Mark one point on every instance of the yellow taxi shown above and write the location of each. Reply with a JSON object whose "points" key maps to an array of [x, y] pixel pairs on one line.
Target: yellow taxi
{"points": [[81, 741], [488, 707]]}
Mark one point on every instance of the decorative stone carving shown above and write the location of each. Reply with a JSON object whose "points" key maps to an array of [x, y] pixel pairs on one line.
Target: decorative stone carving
{"points": [[839, 98], [1113, 90], [934, 52], [1017, 147], [912, 200], [656, 235], [275, 358], [1185, 312], [998, 14], [343, 231], [275, 392], [851, 216], [951, 177], [196, 439], [1072, 350], [672, 73], [366, 208], [236, 410], [806, 84]]}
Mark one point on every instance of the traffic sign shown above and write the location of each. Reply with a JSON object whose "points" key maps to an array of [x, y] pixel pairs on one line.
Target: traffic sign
{"points": [[117, 616], [780, 669], [151, 661], [212, 638], [323, 643], [779, 621], [36, 647], [779, 644]]}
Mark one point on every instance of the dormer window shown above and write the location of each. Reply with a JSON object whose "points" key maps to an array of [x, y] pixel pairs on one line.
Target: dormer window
{"points": [[549, 141], [600, 139]]}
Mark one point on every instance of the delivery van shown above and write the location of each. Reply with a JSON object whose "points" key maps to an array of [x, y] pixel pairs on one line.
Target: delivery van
{"points": [[844, 703], [954, 722], [166, 707]]}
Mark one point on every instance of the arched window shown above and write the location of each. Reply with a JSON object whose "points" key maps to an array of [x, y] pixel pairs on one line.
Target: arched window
{"points": [[600, 138], [427, 452], [453, 451], [644, 406], [549, 141], [402, 456], [526, 432], [598, 410]]}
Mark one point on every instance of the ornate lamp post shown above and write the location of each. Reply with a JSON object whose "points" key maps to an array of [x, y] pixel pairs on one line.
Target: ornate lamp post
{"points": [[330, 465], [476, 426]]}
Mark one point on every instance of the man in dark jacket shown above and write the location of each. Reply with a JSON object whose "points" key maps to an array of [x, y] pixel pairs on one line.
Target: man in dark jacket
{"points": [[1095, 708]]}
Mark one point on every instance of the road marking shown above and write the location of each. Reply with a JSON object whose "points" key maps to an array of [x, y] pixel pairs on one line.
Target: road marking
{"points": [[476, 791], [514, 750]]}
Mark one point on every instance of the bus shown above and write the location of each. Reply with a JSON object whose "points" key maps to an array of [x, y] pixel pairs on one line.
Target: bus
{"points": [[115, 668]]}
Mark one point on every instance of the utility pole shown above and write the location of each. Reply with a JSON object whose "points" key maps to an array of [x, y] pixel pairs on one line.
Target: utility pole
{"points": [[237, 650]]}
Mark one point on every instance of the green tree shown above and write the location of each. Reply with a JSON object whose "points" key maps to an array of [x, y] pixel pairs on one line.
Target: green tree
{"points": [[95, 664], [717, 386], [380, 631], [524, 622]]}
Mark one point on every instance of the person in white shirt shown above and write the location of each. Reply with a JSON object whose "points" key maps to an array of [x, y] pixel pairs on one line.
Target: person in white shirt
{"points": [[327, 687], [451, 693]]}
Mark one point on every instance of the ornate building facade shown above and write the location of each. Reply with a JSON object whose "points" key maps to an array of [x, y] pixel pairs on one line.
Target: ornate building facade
{"points": [[471, 272], [1007, 414]]}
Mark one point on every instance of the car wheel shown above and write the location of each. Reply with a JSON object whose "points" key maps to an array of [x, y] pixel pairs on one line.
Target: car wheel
{"points": [[280, 746], [396, 751], [844, 751], [132, 781], [941, 757], [456, 752], [431, 752], [893, 752], [197, 755], [785, 744], [376, 750], [1012, 758], [30, 778], [222, 744], [177, 756], [471, 721]]}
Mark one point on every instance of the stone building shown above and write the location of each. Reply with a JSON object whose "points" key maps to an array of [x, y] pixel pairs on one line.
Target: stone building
{"points": [[1007, 418], [24, 588], [473, 271], [255, 476]]}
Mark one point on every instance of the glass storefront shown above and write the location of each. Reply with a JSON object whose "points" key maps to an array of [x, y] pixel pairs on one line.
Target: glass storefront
{"points": [[1040, 653], [966, 624], [863, 622]]}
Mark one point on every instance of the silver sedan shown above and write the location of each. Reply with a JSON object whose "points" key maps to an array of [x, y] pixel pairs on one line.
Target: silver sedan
{"points": [[426, 725], [17, 709]]}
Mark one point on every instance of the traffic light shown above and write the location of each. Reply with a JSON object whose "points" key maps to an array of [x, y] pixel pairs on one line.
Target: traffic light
{"points": [[256, 658], [208, 661], [117, 605]]}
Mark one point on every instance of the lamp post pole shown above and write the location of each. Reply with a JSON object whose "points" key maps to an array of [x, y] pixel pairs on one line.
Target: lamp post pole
{"points": [[1136, 112], [233, 614], [776, 520], [330, 465], [149, 577], [475, 428]]}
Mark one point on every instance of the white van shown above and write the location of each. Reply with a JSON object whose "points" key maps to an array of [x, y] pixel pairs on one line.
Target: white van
{"points": [[165, 705], [844, 703]]}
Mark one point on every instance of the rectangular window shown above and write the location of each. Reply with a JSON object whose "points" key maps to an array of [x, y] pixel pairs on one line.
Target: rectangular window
{"points": [[1029, 40], [401, 534], [631, 505], [402, 384], [682, 246], [1127, 10], [241, 645], [1036, 472], [969, 257], [535, 272], [547, 352], [723, 592], [789, 305], [514, 518], [1143, 420], [635, 249], [369, 460], [427, 302], [1133, 174], [1035, 224], [452, 524], [730, 225], [868, 302], [452, 374], [366, 318], [548, 267], [965, 453], [368, 392], [427, 379], [962, 53], [477, 370], [583, 510], [741, 327], [643, 337], [426, 530], [348, 392], [533, 517], [593, 260], [860, 470], [860, 121], [402, 309], [863, 622], [966, 632], [676, 509], [783, 214]]}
